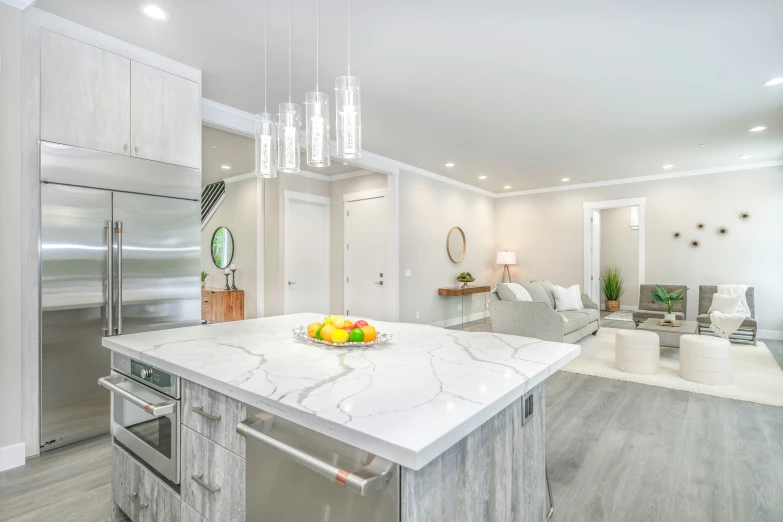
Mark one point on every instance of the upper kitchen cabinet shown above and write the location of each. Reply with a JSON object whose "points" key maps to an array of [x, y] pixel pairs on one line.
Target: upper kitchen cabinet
{"points": [[165, 117], [85, 95]]}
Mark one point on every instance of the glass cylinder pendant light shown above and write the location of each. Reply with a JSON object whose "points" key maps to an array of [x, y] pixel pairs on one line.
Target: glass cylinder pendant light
{"points": [[317, 109], [348, 109], [289, 117], [266, 143]]}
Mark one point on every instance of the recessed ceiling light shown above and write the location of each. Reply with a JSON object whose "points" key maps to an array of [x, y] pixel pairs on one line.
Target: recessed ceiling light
{"points": [[225, 167], [773, 82], [482, 177], [668, 166], [213, 146], [154, 11], [565, 180], [758, 128], [449, 164], [507, 187], [747, 156]]}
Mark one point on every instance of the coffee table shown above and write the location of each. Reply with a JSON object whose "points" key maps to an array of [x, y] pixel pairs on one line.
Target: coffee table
{"points": [[670, 335]]}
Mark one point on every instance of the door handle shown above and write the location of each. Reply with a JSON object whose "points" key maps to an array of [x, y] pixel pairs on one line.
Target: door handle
{"points": [[379, 283], [199, 479], [292, 282], [110, 278], [118, 230], [166, 407]]}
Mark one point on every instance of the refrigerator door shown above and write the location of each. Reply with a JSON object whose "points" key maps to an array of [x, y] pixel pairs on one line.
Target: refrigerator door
{"points": [[74, 313], [158, 261]]}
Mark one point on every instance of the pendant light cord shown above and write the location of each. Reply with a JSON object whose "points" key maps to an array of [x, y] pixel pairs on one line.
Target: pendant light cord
{"points": [[349, 37], [290, 32], [266, 17], [317, 41]]}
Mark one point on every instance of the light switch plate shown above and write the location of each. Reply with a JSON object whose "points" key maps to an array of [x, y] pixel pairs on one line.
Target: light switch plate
{"points": [[407, 273]]}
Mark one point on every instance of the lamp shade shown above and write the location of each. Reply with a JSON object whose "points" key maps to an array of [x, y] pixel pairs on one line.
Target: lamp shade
{"points": [[507, 258]]}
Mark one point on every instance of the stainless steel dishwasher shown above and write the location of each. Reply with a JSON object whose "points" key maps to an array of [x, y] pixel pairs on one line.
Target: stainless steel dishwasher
{"points": [[297, 475]]}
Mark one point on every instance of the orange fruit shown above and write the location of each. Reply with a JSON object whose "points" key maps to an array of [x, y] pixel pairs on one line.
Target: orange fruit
{"points": [[326, 332], [348, 324], [339, 337], [313, 329], [369, 333]]}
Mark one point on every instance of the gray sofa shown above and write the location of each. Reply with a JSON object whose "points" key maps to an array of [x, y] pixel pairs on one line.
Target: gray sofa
{"points": [[538, 318], [651, 309], [747, 330]]}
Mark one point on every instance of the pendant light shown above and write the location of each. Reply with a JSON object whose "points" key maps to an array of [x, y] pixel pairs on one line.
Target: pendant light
{"points": [[288, 118], [317, 109], [348, 109], [266, 144]]}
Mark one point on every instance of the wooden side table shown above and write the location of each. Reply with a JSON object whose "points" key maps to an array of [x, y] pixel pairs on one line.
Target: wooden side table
{"points": [[222, 306], [459, 291]]}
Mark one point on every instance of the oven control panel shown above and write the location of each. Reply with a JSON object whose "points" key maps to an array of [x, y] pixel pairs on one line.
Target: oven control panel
{"points": [[152, 375], [156, 378]]}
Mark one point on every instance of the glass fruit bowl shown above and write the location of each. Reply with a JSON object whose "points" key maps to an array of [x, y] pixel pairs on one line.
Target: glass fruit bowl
{"points": [[300, 334]]}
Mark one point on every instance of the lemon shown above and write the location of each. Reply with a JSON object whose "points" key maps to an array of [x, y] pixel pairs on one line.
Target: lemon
{"points": [[326, 332], [336, 321], [339, 336]]}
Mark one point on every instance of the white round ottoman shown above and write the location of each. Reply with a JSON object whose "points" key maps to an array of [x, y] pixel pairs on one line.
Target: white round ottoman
{"points": [[637, 351], [705, 359]]}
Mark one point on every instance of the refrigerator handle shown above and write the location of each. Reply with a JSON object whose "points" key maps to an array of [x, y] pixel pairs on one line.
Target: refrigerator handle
{"points": [[108, 227], [118, 230]]}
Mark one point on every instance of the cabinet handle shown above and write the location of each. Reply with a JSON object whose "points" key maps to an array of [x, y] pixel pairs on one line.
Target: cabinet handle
{"points": [[136, 148], [125, 147], [199, 479], [136, 500], [200, 411]]}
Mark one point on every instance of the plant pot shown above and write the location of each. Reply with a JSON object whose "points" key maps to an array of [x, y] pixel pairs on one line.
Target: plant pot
{"points": [[612, 306], [203, 284], [669, 318]]}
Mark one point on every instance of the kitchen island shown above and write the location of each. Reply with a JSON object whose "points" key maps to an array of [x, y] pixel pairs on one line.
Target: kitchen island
{"points": [[453, 422]]}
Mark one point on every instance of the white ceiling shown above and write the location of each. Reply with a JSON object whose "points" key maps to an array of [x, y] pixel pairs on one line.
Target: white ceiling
{"points": [[541, 90]]}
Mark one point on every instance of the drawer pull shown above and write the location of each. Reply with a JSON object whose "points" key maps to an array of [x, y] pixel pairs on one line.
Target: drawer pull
{"points": [[200, 411], [199, 479], [136, 500]]}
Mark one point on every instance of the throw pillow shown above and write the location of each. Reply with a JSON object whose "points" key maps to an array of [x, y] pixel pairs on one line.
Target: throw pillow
{"points": [[567, 298], [726, 304], [513, 292], [538, 294]]}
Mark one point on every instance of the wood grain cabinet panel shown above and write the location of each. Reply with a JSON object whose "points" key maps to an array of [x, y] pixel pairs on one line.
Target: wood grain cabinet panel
{"points": [[189, 514], [165, 117], [85, 95], [140, 494], [213, 415], [213, 478], [222, 306]]}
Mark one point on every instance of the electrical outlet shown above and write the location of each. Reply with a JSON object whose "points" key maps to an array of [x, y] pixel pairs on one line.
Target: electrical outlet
{"points": [[459, 307], [407, 273], [417, 314]]}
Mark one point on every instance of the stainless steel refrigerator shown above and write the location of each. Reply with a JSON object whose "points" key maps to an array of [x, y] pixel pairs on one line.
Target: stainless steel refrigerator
{"points": [[120, 254]]}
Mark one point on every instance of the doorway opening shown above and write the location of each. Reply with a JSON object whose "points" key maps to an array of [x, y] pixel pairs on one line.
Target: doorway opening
{"points": [[615, 237]]}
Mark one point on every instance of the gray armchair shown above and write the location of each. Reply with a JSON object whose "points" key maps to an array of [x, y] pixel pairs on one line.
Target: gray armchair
{"points": [[538, 318], [651, 309], [748, 329]]}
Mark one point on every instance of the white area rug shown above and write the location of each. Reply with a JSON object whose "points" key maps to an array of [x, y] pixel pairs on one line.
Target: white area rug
{"points": [[757, 376], [620, 316]]}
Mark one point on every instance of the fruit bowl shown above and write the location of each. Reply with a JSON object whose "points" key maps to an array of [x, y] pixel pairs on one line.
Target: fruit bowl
{"points": [[301, 335], [465, 281]]}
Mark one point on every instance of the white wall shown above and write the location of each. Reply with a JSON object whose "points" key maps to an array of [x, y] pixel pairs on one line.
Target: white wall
{"points": [[546, 231], [238, 213], [11, 453], [428, 209], [620, 249], [337, 233]]}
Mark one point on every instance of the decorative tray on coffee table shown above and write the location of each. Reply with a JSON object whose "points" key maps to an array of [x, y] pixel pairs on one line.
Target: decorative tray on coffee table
{"points": [[675, 324]]}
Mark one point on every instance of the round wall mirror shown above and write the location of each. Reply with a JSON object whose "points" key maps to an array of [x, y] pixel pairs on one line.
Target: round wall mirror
{"points": [[222, 247], [456, 244]]}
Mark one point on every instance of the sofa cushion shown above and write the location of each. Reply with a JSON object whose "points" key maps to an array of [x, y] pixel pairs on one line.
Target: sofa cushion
{"points": [[537, 292], [574, 320], [749, 322], [513, 292], [548, 287]]}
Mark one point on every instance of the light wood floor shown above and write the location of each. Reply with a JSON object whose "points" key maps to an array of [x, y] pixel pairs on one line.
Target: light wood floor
{"points": [[616, 452]]}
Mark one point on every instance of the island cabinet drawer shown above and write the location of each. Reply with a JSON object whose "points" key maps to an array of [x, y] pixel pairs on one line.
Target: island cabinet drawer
{"points": [[189, 514], [213, 479], [213, 415], [140, 494]]}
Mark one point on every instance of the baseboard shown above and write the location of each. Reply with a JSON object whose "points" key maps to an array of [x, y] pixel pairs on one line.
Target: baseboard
{"points": [[458, 320], [773, 335], [12, 456], [629, 308]]}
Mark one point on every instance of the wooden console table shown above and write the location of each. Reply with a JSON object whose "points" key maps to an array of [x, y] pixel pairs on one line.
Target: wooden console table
{"points": [[222, 306], [461, 292]]}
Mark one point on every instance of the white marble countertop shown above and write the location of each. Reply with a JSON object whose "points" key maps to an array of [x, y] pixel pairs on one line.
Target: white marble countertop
{"points": [[407, 401]]}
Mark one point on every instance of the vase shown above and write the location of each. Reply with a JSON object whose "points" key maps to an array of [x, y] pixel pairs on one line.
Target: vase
{"points": [[203, 284], [612, 306], [669, 318]]}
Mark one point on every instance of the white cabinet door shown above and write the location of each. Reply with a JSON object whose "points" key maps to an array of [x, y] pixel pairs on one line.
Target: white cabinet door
{"points": [[85, 95], [165, 117]]}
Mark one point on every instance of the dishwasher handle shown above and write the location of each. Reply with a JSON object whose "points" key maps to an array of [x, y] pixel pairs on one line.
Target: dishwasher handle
{"points": [[160, 409], [367, 480]]}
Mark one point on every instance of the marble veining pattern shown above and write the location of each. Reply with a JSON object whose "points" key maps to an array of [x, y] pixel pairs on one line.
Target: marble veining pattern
{"points": [[407, 401]]}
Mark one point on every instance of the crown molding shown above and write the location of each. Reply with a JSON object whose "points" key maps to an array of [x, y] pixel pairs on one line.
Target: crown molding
{"points": [[226, 118], [239, 177], [19, 4]]}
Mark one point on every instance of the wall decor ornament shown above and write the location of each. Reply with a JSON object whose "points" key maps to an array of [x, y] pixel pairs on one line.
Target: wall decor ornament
{"points": [[695, 244], [723, 231], [677, 235], [744, 215], [700, 226]]}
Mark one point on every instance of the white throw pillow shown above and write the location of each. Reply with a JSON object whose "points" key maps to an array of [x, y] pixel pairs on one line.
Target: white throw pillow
{"points": [[567, 298], [726, 304], [513, 292]]}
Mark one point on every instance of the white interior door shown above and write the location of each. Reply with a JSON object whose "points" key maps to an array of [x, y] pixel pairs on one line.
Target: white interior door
{"points": [[306, 265], [367, 251], [595, 256]]}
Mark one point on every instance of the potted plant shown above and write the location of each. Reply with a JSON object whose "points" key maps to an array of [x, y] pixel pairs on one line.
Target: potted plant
{"points": [[203, 279], [465, 278], [662, 296], [612, 286]]}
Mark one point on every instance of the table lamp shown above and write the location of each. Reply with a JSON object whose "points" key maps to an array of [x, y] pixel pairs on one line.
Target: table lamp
{"points": [[507, 258]]}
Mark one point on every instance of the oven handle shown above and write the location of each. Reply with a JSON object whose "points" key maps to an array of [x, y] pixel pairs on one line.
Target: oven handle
{"points": [[160, 409], [370, 479]]}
